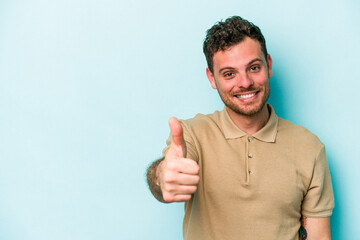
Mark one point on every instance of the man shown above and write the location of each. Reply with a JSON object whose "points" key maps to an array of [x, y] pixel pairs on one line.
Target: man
{"points": [[244, 173]]}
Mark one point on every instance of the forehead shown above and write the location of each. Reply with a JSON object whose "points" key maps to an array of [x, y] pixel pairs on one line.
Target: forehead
{"points": [[238, 55]]}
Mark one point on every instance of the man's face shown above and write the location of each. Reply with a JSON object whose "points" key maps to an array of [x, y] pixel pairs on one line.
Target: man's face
{"points": [[241, 76]]}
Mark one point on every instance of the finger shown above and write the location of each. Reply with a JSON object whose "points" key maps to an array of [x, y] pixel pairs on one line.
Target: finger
{"points": [[182, 197], [188, 166], [177, 135], [175, 188], [185, 189], [177, 198], [187, 179]]}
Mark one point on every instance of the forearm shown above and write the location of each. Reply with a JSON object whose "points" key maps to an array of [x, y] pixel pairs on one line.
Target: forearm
{"points": [[315, 228], [152, 180]]}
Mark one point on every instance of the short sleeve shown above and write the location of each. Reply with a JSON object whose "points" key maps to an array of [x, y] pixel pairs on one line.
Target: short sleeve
{"points": [[189, 140], [319, 199]]}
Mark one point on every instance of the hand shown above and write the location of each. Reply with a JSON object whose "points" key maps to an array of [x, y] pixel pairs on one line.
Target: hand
{"points": [[178, 176]]}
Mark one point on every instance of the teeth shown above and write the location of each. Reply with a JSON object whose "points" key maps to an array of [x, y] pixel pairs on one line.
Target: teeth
{"points": [[245, 96]]}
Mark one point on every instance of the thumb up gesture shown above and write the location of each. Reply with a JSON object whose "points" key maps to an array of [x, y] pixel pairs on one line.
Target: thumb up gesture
{"points": [[178, 176]]}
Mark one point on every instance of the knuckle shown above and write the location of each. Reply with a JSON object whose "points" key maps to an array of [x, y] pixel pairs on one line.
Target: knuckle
{"points": [[171, 165], [168, 197], [167, 188], [169, 177], [165, 176]]}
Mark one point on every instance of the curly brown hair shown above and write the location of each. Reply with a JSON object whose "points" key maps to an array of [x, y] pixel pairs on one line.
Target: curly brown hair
{"points": [[225, 34]]}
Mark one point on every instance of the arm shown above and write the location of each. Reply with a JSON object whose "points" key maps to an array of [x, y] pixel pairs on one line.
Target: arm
{"points": [[318, 202], [315, 228], [152, 180], [174, 178]]}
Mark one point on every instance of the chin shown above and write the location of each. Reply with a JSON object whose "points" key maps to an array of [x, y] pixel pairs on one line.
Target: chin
{"points": [[246, 110]]}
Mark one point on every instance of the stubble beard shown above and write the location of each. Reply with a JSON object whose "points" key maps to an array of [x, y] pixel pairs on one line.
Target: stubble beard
{"points": [[247, 109]]}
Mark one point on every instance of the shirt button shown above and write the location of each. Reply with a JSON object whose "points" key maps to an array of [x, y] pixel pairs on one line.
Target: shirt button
{"points": [[250, 172], [250, 139], [250, 155]]}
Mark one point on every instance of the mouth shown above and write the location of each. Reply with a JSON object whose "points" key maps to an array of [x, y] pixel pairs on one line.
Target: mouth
{"points": [[246, 95]]}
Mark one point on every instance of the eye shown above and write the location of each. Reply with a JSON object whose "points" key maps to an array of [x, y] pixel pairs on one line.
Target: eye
{"points": [[255, 68], [228, 75]]}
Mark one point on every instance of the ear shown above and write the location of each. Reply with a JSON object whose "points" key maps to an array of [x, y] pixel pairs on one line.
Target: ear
{"points": [[269, 65], [211, 78]]}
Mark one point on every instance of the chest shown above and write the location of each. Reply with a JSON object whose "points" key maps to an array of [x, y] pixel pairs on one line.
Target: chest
{"points": [[249, 171]]}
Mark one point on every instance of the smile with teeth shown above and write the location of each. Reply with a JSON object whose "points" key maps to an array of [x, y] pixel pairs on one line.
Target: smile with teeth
{"points": [[245, 96]]}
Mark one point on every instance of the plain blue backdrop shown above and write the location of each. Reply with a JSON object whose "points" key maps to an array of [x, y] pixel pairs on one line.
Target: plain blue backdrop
{"points": [[87, 88]]}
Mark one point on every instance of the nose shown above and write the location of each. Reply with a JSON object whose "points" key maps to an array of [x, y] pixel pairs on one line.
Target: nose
{"points": [[244, 81]]}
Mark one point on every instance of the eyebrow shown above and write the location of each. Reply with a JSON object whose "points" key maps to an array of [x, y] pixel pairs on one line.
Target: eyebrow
{"points": [[251, 62]]}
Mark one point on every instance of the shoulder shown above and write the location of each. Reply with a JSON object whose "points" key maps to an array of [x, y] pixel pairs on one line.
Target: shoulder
{"points": [[202, 123], [298, 135], [200, 130]]}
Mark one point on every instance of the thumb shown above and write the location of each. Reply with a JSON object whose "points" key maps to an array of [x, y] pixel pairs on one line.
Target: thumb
{"points": [[177, 136]]}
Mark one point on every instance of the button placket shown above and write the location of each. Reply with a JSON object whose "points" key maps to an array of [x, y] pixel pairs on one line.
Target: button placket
{"points": [[248, 155]]}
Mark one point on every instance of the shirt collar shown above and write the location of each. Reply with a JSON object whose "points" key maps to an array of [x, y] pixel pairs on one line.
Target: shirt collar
{"points": [[266, 134]]}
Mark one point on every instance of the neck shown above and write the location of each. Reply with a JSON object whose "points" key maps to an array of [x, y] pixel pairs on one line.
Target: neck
{"points": [[250, 124]]}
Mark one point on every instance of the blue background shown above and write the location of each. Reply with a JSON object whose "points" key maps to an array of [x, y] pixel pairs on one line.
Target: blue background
{"points": [[87, 88]]}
